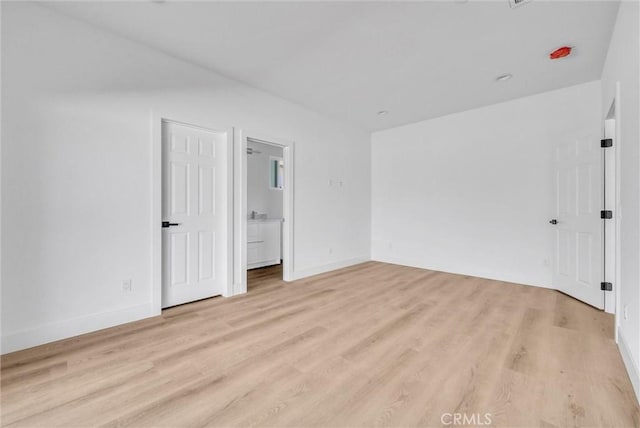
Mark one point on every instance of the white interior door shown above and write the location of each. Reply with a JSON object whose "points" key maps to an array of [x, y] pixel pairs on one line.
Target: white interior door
{"points": [[194, 199], [577, 269]]}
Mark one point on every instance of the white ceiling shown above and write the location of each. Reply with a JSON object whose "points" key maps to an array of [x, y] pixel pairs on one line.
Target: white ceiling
{"points": [[348, 60]]}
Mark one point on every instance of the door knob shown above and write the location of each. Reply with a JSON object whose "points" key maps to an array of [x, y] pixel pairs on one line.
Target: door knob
{"points": [[167, 224], [553, 221]]}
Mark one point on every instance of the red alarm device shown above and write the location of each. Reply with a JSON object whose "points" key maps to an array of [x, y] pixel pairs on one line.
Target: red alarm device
{"points": [[561, 52]]}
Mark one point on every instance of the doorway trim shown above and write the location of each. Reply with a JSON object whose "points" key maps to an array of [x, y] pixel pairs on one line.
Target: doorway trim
{"points": [[612, 246], [241, 137], [156, 120]]}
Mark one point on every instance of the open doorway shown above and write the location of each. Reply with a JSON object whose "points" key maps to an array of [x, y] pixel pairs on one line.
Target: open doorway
{"points": [[243, 142], [265, 213]]}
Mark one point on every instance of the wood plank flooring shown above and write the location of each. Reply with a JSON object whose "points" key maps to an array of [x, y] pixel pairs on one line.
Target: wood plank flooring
{"points": [[370, 345]]}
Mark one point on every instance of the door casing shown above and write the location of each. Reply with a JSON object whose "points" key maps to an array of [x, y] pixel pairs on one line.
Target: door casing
{"points": [[612, 187], [241, 138]]}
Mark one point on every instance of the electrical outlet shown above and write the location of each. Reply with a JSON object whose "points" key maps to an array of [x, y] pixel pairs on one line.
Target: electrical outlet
{"points": [[330, 250], [625, 312], [126, 285], [546, 262]]}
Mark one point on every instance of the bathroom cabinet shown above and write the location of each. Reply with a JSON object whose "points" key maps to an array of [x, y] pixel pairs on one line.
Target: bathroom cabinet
{"points": [[263, 242]]}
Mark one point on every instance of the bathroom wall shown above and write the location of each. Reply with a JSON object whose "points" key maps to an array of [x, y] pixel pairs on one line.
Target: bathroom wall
{"points": [[260, 197]]}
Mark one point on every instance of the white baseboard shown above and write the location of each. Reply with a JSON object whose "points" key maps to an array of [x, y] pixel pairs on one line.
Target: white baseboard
{"points": [[303, 273], [629, 363], [453, 270], [263, 264], [35, 336]]}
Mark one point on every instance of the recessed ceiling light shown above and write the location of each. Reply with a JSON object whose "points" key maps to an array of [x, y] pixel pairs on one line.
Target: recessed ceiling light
{"points": [[382, 112], [504, 77]]}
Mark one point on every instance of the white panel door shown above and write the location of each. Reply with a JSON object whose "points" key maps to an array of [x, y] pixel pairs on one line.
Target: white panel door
{"points": [[194, 199], [577, 267]]}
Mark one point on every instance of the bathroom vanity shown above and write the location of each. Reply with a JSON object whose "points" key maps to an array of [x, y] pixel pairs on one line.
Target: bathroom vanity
{"points": [[263, 242]]}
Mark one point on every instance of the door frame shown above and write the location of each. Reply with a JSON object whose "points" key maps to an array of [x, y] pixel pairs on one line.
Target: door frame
{"points": [[157, 118], [612, 184], [241, 138]]}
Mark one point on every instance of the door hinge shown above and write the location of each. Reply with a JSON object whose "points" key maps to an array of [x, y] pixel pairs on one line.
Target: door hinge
{"points": [[607, 142], [606, 286], [606, 214]]}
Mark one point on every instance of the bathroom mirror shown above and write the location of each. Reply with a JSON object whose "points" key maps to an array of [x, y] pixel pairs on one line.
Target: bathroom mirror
{"points": [[276, 173]]}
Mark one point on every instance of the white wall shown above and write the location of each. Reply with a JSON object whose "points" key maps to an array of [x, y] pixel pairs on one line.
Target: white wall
{"points": [[472, 192], [622, 65], [76, 171], [260, 197]]}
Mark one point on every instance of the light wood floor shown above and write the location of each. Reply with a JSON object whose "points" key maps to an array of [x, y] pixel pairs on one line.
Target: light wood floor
{"points": [[370, 345], [257, 278]]}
